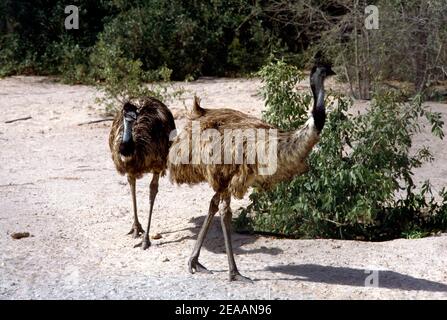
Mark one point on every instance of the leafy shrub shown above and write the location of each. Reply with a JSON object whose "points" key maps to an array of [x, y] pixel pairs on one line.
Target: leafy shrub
{"points": [[192, 38], [124, 79], [33, 39], [71, 61], [8, 61], [360, 184], [280, 80]]}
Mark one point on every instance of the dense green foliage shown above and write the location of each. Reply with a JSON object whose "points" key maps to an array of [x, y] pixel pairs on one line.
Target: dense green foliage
{"points": [[360, 184], [124, 79], [33, 38], [228, 37], [191, 38], [125, 47]]}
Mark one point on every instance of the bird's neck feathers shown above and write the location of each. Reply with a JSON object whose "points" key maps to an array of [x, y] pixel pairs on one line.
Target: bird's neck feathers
{"points": [[298, 144], [295, 147]]}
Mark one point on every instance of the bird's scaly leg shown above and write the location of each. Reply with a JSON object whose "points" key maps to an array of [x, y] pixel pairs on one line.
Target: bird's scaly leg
{"points": [[153, 190], [193, 263], [226, 215], [136, 227]]}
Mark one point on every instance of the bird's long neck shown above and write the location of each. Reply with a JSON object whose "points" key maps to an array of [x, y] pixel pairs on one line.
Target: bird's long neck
{"points": [[127, 131], [294, 147], [127, 146], [318, 110]]}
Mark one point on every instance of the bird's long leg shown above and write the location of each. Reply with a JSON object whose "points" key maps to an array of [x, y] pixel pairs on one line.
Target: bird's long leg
{"points": [[226, 216], [153, 190], [136, 227], [193, 263]]}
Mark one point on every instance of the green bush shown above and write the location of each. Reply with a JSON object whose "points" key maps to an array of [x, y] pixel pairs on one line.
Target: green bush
{"points": [[192, 38], [360, 183], [280, 80], [9, 64], [33, 39], [70, 60], [123, 79]]}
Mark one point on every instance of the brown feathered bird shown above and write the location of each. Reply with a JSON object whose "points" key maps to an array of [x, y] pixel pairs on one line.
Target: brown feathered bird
{"points": [[234, 178], [139, 141]]}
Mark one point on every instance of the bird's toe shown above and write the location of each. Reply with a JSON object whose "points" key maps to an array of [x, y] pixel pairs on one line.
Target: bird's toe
{"points": [[145, 244], [195, 266], [238, 277], [136, 230]]}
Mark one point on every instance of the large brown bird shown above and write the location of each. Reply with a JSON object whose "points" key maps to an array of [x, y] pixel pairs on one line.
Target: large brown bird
{"points": [[234, 178], [139, 141]]}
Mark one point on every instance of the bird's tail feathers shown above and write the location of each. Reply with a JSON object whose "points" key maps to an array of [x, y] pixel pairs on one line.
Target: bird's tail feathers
{"points": [[196, 110]]}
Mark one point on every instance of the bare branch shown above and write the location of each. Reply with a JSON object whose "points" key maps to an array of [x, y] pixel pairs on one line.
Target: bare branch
{"points": [[18, 119], [95, 121]]}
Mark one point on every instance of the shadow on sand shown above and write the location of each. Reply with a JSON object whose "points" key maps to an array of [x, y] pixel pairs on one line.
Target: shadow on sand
{"points": [[355, 277], [214, 242]]}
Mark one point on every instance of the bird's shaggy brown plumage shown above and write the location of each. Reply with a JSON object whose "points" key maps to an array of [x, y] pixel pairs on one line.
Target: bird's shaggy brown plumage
{"points": [[139, 141], [293, 149], [234, 178], [150, 134]]}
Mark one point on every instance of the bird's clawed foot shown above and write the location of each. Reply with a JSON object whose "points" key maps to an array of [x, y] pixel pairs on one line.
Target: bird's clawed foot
{"points": [[236, 276], [146, 243], [136, 230], [195, 266]]}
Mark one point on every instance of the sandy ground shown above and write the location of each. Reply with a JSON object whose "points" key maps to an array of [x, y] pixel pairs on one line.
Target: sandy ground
{"points": [[57, 182]]}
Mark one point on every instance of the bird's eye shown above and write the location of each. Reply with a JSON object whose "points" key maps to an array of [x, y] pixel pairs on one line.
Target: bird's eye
{"points": [[130, 115]]}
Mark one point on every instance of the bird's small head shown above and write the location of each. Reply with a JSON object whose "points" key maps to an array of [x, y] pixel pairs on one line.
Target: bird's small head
{"points": [[321, 70], [130, 112]]}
